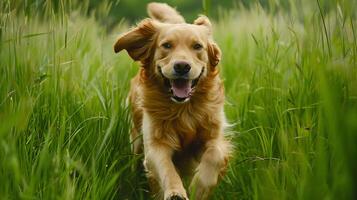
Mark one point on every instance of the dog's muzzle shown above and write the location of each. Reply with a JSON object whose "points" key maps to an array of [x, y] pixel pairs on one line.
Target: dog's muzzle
{"points": [[181, 89]]}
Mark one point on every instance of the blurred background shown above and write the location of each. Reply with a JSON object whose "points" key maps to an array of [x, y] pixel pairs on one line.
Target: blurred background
{"points": [[112, 12], [290, 75]]}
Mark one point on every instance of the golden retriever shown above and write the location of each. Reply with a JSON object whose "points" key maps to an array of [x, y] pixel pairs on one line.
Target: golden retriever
{"points": [[177, 101]]}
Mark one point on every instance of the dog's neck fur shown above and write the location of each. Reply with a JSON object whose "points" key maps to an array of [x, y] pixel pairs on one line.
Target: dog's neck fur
{"points": [[183, 123]]}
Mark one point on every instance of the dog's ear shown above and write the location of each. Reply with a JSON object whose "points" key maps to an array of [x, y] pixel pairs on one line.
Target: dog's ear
{"points": [[138, 41], [214, 52]]}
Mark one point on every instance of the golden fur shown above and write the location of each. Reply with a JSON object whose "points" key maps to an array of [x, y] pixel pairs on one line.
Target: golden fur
{"points": [[177, 138]]}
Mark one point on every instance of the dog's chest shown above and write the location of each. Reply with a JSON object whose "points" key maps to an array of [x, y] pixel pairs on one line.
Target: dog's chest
{"points": [[193, 128]]}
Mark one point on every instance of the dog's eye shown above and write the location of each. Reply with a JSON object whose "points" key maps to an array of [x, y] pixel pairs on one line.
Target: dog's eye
{"points": [[167, 45], [197, 46]]}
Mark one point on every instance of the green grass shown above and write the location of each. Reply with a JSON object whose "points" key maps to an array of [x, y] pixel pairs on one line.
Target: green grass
{"points": [[291, 87]]}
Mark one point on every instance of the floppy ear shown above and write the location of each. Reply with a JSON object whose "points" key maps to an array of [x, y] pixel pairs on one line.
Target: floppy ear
{"points": [[214, 53], [138, 41]]}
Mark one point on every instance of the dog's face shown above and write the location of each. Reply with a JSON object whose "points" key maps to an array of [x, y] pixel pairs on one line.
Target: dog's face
{"points": [[181, 58], [178, 54]]}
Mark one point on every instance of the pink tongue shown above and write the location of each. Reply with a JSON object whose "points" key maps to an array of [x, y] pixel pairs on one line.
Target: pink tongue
{"points": [[181, 88]]}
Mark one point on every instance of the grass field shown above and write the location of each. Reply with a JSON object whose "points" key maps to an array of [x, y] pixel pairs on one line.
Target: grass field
{"points": [[291, 88]]}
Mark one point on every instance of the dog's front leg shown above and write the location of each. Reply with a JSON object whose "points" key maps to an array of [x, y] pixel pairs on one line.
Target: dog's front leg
{"points": [[213, 163], [158, 161]]}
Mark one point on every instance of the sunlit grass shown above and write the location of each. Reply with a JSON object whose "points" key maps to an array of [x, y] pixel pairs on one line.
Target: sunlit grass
{"points": [[291, 86]]}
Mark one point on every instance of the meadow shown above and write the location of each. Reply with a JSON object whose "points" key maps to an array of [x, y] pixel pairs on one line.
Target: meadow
{"points": [[291, 97]]}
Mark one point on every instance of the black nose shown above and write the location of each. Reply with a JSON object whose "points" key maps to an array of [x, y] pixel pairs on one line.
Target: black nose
{"points": [[181, 67]]}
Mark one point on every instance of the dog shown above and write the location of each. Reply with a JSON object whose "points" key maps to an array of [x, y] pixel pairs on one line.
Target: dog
{"points": [[177, 103]]}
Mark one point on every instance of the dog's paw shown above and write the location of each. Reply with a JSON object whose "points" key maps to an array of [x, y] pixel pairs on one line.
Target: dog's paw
{"points": [[175, 196]]}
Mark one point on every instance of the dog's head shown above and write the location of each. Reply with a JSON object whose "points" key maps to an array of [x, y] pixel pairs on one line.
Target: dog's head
{"points": [[179, 54]]}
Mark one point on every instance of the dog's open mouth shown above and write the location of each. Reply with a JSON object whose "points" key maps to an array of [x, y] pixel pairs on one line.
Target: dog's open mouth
{"points": [[181, 89]]}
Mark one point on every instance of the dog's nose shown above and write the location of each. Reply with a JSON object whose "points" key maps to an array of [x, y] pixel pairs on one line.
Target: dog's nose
{"points": [[182, 67]]}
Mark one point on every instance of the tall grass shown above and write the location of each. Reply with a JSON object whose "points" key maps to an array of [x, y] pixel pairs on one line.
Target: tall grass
{"points": [[291, 87]]}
